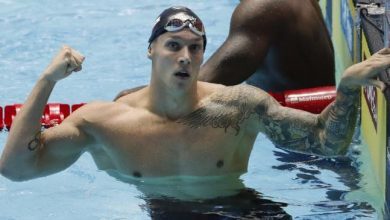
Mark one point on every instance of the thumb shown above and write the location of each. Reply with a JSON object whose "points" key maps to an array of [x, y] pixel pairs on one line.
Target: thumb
{"points": [[377, 83]]}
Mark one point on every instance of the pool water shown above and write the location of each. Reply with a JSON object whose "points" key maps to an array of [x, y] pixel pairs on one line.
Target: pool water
{"points": [[113, 37]]}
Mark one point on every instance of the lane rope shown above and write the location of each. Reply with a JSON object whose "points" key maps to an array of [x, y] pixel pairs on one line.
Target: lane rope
{"points": [[313, 100]]}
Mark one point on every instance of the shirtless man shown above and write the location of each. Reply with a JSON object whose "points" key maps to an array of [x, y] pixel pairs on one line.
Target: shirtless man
{"points": [[278, 45], [177, 126]]}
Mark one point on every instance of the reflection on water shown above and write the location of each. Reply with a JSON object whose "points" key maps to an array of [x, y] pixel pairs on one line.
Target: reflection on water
{"points": [[347, 168], [206, 197], [226, 197], [246, 204]]}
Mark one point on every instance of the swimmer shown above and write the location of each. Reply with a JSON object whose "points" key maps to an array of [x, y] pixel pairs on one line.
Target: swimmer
{"points": [[177, 126], [278, 45]]}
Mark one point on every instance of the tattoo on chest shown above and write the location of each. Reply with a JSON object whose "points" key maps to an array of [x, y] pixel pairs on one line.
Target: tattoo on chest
{"points": [[227, 110]]}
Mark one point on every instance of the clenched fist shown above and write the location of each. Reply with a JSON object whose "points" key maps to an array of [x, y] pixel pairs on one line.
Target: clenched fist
{"points": [[66, 61]]}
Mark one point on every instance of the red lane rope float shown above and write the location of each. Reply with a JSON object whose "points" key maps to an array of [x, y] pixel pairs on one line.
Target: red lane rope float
{"points": [[53, 114], [1, 119], [312, 100], [10, 112], [76, 106]]}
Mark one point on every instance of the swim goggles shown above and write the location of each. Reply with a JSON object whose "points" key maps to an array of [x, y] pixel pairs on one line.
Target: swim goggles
{"points": [[177, 24], [194, 24]]}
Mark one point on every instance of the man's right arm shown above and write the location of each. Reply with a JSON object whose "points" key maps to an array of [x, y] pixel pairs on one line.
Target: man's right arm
{"points": [[30, 153]]}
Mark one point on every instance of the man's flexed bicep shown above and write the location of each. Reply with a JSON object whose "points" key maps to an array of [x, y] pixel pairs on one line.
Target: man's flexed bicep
{"points": [[47, 152], [60, 147]]}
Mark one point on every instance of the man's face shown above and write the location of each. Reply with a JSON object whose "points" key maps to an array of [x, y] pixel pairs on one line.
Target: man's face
{"points": [[176, 58]]}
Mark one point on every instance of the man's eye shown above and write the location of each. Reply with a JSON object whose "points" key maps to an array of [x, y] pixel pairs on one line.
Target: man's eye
{"points": [[195, 47], [173, 45]]}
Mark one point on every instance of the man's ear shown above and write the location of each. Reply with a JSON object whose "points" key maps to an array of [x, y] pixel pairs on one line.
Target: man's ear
{"points": [[149, 52]]}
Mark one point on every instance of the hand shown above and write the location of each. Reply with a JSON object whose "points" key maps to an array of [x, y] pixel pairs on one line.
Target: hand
{"points": [[63, 64], [366, 72]]}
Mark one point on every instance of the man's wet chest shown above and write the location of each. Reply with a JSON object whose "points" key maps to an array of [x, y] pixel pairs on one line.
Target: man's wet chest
{"points": [[155, 148]]}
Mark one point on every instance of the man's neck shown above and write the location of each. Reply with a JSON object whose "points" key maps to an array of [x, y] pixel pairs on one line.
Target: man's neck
{"points": [[172, 103]]}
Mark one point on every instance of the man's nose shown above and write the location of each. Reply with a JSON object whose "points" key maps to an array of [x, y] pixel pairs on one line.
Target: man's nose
{"points": [[185, 58]]}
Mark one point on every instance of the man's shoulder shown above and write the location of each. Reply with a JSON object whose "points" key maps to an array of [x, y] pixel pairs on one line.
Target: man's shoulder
{"points": [[269, 17], [272, 5], [242, 88], [127, 92], [95, 105], [134, 97], [264, 10], [98, 109], [242, 93]]}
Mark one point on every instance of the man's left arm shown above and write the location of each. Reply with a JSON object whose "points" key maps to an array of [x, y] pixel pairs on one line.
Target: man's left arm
{"points": [[329, 133]]}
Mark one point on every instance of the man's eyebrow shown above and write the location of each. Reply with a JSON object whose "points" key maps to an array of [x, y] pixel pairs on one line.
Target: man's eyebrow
{"points": [[181, 38]]}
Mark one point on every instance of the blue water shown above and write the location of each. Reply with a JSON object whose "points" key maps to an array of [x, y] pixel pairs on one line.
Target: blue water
{"points": [[113, 37]]}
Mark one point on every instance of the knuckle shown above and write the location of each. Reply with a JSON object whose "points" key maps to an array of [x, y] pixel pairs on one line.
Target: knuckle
{"points": [[67, 52], [78, 69], [65, 47], [67, 60]]}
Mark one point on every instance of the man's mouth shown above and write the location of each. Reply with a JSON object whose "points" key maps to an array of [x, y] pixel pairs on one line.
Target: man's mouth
{"points": [[182, 74]]}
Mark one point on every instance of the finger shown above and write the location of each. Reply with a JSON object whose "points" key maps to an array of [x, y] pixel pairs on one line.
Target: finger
{"points": [[73, 59], [79, 57], [383, 56], [377, 83], [79, 68], [377, 65], [67, 55], [72, 65], [66, 50], [384, 51], [67, 64], [382, 64], [77, 60]]}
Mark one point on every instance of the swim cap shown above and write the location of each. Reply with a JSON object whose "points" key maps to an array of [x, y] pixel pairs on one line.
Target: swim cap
{"points": [[195, 24]]}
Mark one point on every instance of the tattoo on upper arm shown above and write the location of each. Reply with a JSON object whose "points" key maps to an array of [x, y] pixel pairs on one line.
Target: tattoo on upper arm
{"points": [[35, 142], [293, 132], [307, 133]]}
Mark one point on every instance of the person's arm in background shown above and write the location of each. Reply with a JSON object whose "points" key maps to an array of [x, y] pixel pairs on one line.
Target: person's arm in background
{"points": [[252, 27]]}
